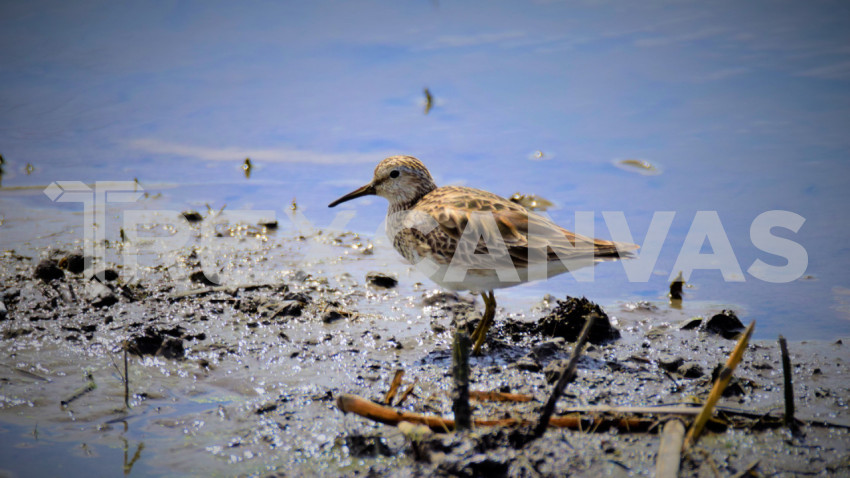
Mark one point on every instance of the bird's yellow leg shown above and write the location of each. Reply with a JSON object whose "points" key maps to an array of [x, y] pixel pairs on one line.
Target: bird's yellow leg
{"points": [[486, 321]]}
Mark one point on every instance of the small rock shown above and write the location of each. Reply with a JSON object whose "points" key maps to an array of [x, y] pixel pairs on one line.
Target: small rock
{"points": [[3, 312], [726, 324], [690, 370], [48, 270], [332, 315], [527, 363], [548, 348], [692, 323], [381, 280]]}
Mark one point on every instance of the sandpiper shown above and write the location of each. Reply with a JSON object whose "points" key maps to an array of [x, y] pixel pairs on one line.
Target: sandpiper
{"points": [[469, 239]]}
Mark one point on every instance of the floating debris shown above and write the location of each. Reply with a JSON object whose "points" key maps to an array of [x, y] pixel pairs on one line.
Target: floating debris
{"points": [[294, 205], [246, 167], [539, 155], [532, 202], [29, 169], [429, 101], [676, 287], [641, 166]]}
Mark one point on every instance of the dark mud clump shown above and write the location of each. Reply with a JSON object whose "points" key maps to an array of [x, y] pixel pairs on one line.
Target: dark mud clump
{"points": [[568, 317], [75, 263], [48, 270], [725, 324], [164, 343]]}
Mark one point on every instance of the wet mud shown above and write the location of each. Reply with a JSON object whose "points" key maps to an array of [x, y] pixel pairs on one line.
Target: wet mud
{"points": [[234, 369]]}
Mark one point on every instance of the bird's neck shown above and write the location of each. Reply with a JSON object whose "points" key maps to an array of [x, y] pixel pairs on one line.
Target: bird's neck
{"points": [[399, 204]]}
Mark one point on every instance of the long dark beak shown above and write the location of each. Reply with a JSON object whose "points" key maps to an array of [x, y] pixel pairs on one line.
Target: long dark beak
{"points": [[362, 191]]}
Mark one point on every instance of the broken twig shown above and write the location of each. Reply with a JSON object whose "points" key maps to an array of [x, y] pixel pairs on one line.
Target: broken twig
{"points": [[388, 398], [460, 374], [789, 387], [390, 416], [567, 375]]}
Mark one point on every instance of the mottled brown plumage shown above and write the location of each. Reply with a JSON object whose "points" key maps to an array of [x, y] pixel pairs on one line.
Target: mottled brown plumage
{"points": [[468, 239]]}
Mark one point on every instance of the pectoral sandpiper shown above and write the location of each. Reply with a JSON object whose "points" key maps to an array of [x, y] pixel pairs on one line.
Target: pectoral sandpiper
{"points": [[469, 239]]}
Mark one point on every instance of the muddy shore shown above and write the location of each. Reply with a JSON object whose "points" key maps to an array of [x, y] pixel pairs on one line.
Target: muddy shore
{"points": [[238, 373]]}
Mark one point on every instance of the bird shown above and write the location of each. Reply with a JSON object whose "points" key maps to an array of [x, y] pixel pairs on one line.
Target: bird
{"points": [[464, 238]]}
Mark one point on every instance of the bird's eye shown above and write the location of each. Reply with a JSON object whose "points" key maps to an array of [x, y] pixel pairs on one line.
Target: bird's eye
{"points": [[394, 173]]}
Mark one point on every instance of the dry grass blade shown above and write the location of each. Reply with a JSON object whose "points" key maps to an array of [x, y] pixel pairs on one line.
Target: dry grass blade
{"points": [[407, 392], [720, 385]]}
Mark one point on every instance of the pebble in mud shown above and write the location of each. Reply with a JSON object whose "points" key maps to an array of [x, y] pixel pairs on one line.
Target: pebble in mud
{"points": [[48, 270], [670, 363], [105, 275], [527, 363]]}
